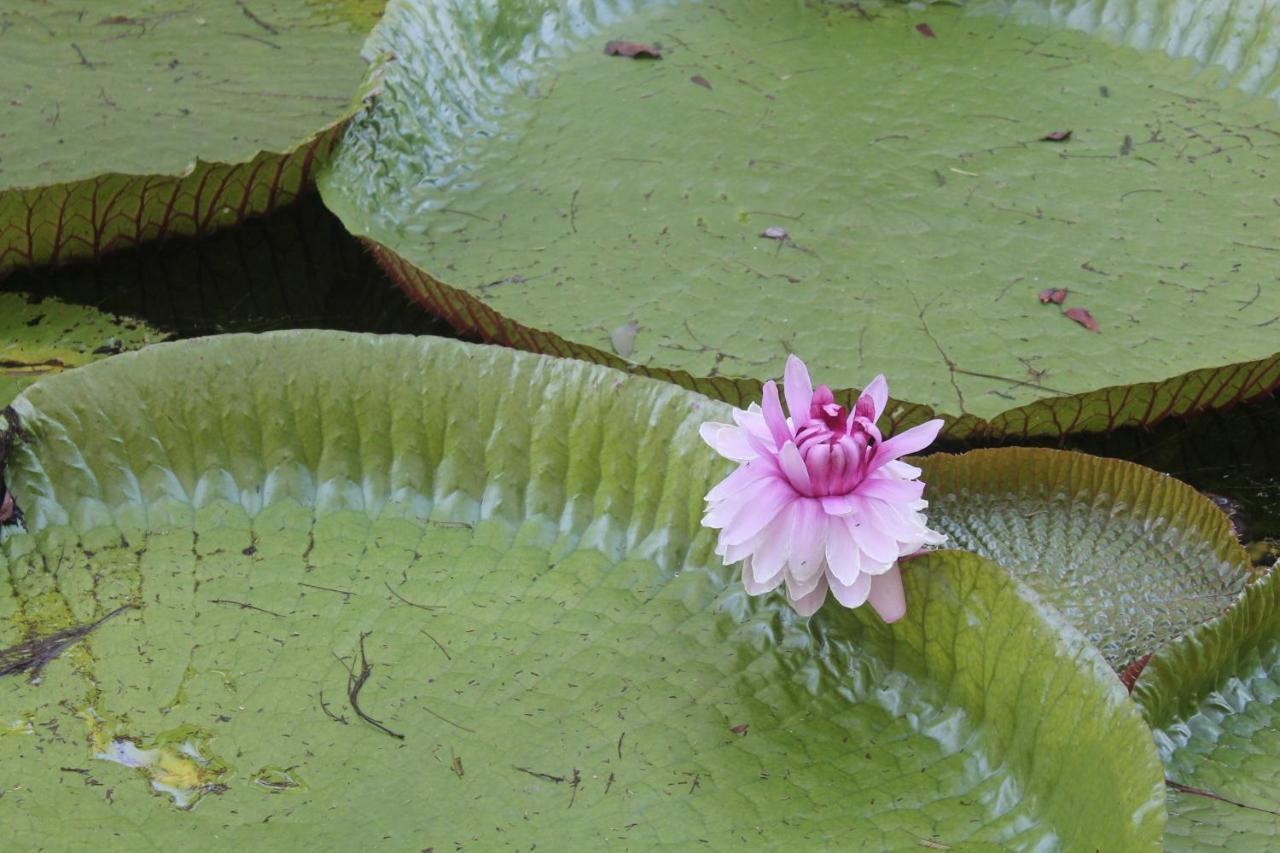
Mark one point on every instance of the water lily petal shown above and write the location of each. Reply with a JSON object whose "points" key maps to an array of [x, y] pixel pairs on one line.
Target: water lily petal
{"points": [[887, 596], [792, 465], [901, 470], [889, 489], [721, 513], [771, 556], [854, 594], [800, 587], [808, 604], [916, 438], [844, 559], [743, 476], [837, 504], [876, 395], [754, 515], [727, 440], [874, 543], [808, 540], [887, 521], [774, 419], [799, 390], [755, 587]]}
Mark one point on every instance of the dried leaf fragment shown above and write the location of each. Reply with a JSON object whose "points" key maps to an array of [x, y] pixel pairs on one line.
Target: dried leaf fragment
{"points": [[926, 31], [1084, 318], [633, 50], [1056, 136], [1056, 295]]}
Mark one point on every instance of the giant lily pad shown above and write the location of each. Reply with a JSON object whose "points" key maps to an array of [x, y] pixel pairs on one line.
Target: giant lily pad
{"points": [[1213, 699], [140, 120], [867, 188], [1133, 557], [440, 595]]}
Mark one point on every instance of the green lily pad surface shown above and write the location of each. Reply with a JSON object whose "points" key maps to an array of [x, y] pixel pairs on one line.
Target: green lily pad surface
{"points": [[422, 594], [876, 190], [1214, 700], [1133, 557], [40, 337], [132, 121]]}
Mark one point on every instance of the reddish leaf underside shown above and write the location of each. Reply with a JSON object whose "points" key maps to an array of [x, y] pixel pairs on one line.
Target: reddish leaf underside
{"points": [[61, 223]]}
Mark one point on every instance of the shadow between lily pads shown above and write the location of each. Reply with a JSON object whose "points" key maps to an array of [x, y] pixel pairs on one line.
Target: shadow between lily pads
{"points": [[294, 268], [510, 546]]}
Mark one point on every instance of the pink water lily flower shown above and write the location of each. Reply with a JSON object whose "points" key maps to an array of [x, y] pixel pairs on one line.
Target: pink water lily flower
{"points": [[820, 501]]}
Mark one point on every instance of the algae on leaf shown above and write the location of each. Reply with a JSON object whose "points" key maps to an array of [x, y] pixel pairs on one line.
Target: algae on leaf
{"points": [[499, 557], [543, 194], [135, 121]]}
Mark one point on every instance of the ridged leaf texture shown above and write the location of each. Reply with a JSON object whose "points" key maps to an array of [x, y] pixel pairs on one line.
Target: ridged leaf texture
{"points": [[512, 544]]}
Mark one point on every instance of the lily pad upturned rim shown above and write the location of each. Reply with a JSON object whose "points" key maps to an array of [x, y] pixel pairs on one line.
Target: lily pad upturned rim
{"points": [[1140, 405]]}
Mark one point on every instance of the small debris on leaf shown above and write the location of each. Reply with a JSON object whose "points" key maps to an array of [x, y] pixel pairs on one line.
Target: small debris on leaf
{"points": [[740, 728], [1056, 136], [456, 765], [1056, 295], [633, 50], [773, 232], [1084, 318], [1130, 675], [623, 338], [699, 80], [926, 31]]}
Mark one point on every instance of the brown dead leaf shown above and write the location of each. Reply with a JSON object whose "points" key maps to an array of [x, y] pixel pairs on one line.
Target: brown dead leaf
{"points": [[1084, 318], [1056, 295], [633, 50]]}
